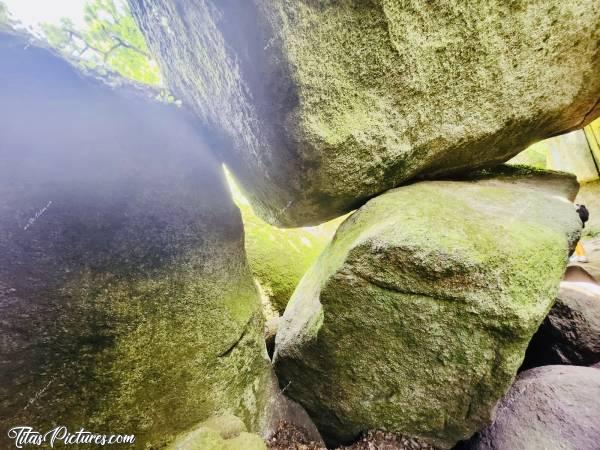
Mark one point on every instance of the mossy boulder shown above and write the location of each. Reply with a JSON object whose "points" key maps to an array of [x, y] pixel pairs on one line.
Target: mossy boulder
{"points": [[126, 302], [219, 433], [280, 257], [321, 105], [417, 315]]}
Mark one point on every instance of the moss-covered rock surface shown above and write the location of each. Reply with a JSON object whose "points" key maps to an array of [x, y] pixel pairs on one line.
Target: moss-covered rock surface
{"points": [[279, 257], [219, 433], [417, 315], [321, 105], [126, 302]]}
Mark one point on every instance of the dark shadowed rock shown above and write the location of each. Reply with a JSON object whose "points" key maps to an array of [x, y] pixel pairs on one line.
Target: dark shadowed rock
{"points": [[547, 408], [283, 410], [126, 304], [322, 105], [271, 326], [570, 334], [417, 315]]}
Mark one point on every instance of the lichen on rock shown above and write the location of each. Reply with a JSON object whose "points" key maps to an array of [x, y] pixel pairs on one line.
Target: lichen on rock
{"points": [[126, 299], [321, 105], [279, 257], [219, 433], [417, 315]]}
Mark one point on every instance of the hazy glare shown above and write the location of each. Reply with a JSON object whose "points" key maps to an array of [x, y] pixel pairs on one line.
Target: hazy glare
{"points": [[32, 13]]}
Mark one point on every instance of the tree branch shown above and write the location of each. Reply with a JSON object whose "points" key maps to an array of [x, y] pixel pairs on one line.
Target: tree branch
{"points": [[105, 54], [84, 49], [73, 33], [110, 50], [126, 44]]}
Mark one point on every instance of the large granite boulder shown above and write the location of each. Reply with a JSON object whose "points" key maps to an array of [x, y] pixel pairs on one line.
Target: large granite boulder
{"points": [[548, 408], [417, 315], [321, 105], [225, 432], [570, 334], [126, 303], [279, 257]]}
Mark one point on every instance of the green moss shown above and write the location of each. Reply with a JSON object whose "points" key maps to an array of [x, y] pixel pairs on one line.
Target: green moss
{"points": [[280, 257], [416, 316], [227, 426], [324, 104], [219, 433], [200, 439], [245, 441], [343, 61], [201, 335], [533, 156]]}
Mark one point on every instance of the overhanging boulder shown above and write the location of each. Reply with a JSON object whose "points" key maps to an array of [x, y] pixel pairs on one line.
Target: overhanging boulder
{"points": [[322, 105]]}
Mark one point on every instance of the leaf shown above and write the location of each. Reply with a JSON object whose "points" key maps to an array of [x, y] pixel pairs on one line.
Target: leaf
{"points": [[110, 38]]}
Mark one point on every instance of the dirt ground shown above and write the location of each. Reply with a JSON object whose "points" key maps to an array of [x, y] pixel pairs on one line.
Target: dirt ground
{"points": [[289, 437]]}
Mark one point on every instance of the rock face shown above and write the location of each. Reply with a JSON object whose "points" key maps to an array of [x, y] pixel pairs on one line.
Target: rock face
{"points": [[416, 317], [570, 152], [592, 251], [323, 105], [126, 303], [219, 433], [570, 334], [280, 257], [590, 197], [287, 412], [548, 408]]}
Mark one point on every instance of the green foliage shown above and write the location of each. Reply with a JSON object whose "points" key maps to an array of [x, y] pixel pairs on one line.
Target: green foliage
{"points": [[110, 39], [5, 19]]}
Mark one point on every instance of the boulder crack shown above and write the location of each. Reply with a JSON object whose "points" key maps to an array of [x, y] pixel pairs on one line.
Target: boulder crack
{"points": [[232, 347]]}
